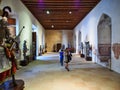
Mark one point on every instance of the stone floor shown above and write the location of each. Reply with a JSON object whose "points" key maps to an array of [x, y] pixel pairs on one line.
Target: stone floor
{"points": [[47, 74]]}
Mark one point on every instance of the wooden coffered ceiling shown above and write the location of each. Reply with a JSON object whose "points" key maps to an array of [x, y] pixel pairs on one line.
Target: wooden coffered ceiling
{"points": [[62, 14]]}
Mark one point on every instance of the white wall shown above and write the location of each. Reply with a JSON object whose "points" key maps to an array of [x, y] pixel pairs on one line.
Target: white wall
{"points": [[67, 37], [88, 27], [24, 18], [64, 38]]}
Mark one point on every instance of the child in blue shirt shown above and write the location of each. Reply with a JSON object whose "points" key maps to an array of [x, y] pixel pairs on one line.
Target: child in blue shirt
{"points": [[61, 57]]}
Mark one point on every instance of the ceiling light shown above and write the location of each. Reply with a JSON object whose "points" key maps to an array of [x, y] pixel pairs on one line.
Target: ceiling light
{"points": [[70, 12], [48, 12], [68, 21], [52, 26]]}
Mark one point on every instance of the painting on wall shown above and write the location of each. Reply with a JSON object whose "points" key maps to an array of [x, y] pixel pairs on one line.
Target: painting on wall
{"points": [[116, 50]]}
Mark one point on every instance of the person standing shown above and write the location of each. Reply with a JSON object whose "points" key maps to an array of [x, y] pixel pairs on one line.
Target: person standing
{"points": [[68, 58], [61, 57]]}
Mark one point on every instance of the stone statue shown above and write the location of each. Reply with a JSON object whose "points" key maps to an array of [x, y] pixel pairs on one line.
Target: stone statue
{"points": [[25, 49]]}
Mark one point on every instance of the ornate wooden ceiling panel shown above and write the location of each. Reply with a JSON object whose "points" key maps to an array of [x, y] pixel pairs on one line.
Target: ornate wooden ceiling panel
{"points": [[62, 14]]}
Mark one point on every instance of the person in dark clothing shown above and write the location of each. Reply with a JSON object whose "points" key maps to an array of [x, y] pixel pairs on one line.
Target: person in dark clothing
{"points": [[68, 58]]}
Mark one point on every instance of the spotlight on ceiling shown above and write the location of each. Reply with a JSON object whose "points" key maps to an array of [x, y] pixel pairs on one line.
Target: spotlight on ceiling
{"points": [[70, 12], [48, 12], [52, 26]]}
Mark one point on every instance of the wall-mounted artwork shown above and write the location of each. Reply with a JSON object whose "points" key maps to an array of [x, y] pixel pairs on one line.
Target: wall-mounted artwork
{"points": [[116, 50]]}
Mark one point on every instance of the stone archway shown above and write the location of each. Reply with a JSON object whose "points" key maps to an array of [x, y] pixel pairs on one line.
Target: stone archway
{"points": [[104, 39]]}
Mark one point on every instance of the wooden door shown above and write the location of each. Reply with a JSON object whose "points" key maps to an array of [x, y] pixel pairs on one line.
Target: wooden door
{"points": [[34, 45]]}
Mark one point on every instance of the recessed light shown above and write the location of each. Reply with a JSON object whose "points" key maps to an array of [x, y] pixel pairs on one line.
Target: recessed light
{"points": [[70, 12], [67, 21], [48, 12], [52, 26]]}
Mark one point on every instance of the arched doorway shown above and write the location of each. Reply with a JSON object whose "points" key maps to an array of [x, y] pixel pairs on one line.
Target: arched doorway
{"points": [[104, 40]]}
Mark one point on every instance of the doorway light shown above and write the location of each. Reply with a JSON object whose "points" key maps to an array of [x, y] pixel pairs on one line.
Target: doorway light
{"points": [[34, 27]]}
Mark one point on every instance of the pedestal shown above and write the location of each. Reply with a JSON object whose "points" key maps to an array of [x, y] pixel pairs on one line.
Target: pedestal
{"points": [[82, 55], [8, 85], [23, 62], [88, 58]]}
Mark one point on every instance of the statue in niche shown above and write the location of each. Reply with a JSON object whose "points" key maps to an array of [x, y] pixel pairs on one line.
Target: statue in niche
{"points": [[45, 47], [87, 48], [40, 53], [25, 49], [81, 49], [88, 51]]}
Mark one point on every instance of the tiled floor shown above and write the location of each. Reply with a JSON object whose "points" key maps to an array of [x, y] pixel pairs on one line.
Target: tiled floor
{"points": [[47, 74]]}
